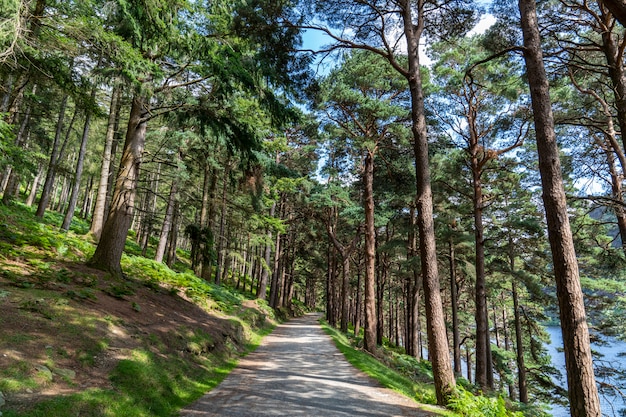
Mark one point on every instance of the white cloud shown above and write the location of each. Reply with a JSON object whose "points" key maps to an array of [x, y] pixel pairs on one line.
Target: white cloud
{"points": [[485, 22]]}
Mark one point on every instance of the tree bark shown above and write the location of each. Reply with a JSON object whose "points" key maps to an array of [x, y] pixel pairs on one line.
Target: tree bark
{"points": [[97, 219], [456, 337], [357, 307], [262, 294], [582, 390], [108, 253], [521, 367], [11, 188], [167, 222], [55, 155], [369, 339], [221, 239], [173, 237], [33, 190], [80, 163], [275, 282], [436, 328], [618, 8], [481, 313]]}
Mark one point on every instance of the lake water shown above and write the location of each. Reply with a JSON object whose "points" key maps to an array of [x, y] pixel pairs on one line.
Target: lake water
{"points": [[614, 354]]}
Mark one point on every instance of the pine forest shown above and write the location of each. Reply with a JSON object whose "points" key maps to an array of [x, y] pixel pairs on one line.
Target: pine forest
{"points": [[442, 179]]}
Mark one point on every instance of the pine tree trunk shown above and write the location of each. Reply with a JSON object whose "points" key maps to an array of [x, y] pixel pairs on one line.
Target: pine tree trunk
{"points": [[436, 327], [456, 336], [12, 186], [617, 194], [69, 215], [582, 390], [108, 253], [167, 222], [97, 219], [481, 314], [370, 328], [87, 198], [33, 191], [358, 307], [262, 294], [381, 282], [206, 219], [55, 155], [173, 238], [614, 57], [274, 285], [221, 247], [521, 367], [330, 285]]}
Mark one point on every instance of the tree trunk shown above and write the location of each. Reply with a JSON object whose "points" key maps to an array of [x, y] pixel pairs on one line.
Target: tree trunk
{"points": [[330, 286], [206, 219], [381, 282], [101, 196], [11, 188], [614, 55], [33, 190], [481, 313], [416, 286], [69, 215], [87, 198], [275, 285], [197, 261], [369, 339], [262, 294], [108, 253], [173, 238], [55, 156], [436, 327], [167, 222], [456, 337], [521, 367], [357, 307], [221, 239], [582, 390], [617, 193]]}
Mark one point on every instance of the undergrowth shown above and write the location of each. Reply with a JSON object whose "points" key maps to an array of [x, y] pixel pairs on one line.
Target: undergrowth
{"points": [[153, 379]]}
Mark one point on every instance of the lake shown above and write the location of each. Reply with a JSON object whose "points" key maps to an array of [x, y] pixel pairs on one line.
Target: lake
{"points": [[613, 353]]}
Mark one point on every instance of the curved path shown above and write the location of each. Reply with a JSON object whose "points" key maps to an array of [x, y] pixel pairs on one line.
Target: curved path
{"points": [[298, 371]]}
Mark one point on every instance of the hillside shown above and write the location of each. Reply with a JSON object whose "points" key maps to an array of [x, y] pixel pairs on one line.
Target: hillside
{"points": [[75, 341]]}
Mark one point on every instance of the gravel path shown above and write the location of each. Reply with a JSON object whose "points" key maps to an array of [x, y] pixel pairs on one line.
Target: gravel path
{"points": [[298, 371]]}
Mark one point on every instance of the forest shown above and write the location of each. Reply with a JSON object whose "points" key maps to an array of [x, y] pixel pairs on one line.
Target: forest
{"points": [[431, 182]]}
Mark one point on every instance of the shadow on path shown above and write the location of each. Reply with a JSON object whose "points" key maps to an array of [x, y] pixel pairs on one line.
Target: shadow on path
{"points": [[298, 371]]}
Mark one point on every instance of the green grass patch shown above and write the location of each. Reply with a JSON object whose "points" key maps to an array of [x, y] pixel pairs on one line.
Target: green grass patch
{"points": [[146, 384], [164, 371], [413, 378], [421, 392]]}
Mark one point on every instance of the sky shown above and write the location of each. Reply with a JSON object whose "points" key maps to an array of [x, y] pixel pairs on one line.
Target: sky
{"points": [[315, 40]]}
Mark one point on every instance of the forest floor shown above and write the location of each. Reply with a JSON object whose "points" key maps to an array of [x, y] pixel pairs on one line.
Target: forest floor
{"points": [[67, 336], [298, 371]]}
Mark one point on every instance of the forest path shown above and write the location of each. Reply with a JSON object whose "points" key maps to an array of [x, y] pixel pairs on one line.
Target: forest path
{"points": [[298, 371]]}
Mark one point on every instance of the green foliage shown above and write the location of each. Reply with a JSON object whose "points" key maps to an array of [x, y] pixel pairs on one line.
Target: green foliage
{"points": [[470, 405], [155, 273], [8, 150]]}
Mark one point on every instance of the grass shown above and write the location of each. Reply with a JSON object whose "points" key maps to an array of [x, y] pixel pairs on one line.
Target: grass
{"points": [[419, 391], [146, 384], [152, 378], [413, 378]]}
